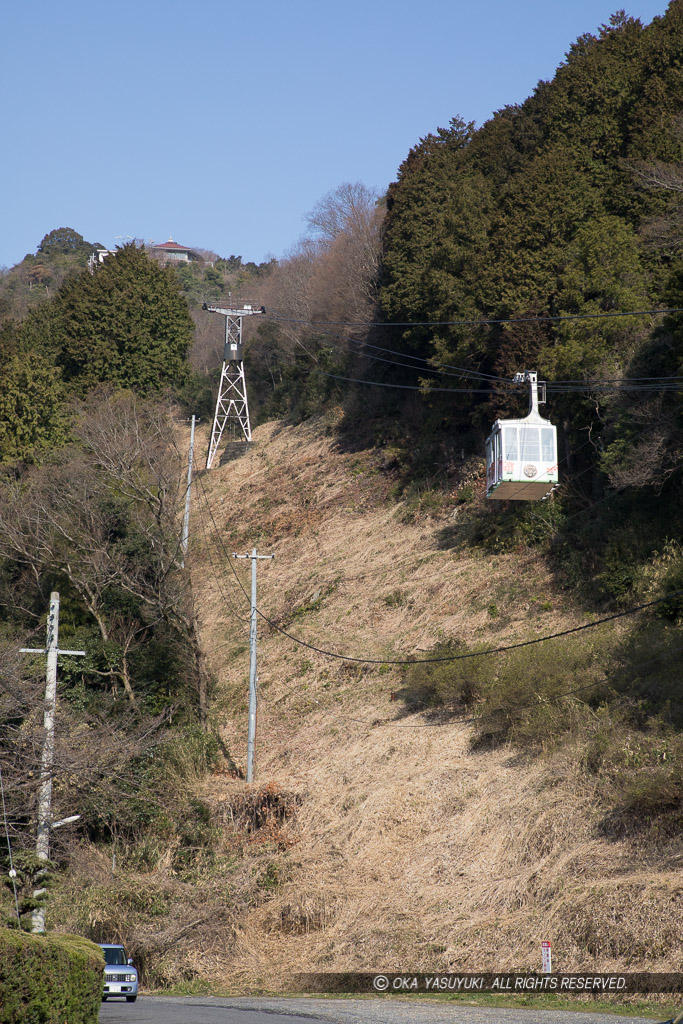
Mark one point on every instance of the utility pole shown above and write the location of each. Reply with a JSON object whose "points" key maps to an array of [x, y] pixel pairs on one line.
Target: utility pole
{"points": [[45, 823], [186, 518], [231, 405], [253, 636]]}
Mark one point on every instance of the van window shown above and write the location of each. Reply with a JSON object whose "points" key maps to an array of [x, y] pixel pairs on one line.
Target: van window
{"points": [[114, 956]]}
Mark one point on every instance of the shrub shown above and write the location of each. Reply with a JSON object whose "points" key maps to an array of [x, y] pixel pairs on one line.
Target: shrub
{"points": [[506, 526], [540, 693], [673, 584], [49, 979], [528, 696], [455, 685], [645, 672], [638, 769]]}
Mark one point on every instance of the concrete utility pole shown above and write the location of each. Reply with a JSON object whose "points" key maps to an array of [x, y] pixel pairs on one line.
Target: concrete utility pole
{"points": [[186, 518], [252, 663], [45, 822], [231, 405]]}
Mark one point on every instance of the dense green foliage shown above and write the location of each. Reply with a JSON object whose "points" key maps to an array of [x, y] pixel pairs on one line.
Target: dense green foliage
{"points": [[28, 889], [538, 214], [224, 279], [33, 415], [28, 284], [49, 979], [125, 325], [65, 242], [569, 204]]}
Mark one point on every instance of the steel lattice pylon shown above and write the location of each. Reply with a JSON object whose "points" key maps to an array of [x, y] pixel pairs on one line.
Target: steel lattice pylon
{"points": [[232, 407]]}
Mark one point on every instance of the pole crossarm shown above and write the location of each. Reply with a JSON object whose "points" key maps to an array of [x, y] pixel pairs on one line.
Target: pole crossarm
{"points": [[244, 310], [42, 650], [252, 555], [232, 406]]}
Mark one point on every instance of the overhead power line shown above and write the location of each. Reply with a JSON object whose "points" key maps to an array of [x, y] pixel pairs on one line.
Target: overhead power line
{"points": [[644, 384], [471, 323], [224, 594], [420, 661], [551, 387], [456, 657], [221, 544], [440, 367], [669, 383], [461, 371], [402, 387], [510, 708], [472, 654]]}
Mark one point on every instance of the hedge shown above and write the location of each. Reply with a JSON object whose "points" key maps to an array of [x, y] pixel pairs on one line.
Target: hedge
{"points": [[49, 979]]}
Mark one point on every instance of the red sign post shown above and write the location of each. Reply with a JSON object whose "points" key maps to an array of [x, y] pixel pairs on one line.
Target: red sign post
{"points": [[546, 958]]}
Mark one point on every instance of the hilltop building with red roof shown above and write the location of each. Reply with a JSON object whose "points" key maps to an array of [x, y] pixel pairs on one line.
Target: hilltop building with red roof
{"points": [[172, 252]]}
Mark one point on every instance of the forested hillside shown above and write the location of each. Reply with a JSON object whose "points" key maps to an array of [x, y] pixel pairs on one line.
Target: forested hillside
{"points": [[517, 246], [549, 239], [566, 206]]}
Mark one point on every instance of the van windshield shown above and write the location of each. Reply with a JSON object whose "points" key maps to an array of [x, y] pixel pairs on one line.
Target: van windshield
{"points": [[114, 956]]}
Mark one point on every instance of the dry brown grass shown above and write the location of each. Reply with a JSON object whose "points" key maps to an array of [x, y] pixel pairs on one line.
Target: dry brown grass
{"points": [[408, 850]]}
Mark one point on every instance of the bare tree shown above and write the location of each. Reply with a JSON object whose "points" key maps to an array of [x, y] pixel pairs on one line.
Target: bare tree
{"points": [[346, 209], [331, 275], [346, 223], [659, 175], [652, 458], [107, 519], [663, 231], [60, 522]]}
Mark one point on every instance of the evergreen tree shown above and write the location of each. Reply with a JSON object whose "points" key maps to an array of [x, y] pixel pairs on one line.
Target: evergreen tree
{"points": [[416, 206], [33, 416], [65, 242], [538, 212], [32, 410], [126, 325]]}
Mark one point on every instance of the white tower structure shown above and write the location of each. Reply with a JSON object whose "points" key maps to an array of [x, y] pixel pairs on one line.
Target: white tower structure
{"points": [[232, 407]]}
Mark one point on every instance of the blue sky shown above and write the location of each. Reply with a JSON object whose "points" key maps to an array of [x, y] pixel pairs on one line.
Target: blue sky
{"points": [[222, 122]]}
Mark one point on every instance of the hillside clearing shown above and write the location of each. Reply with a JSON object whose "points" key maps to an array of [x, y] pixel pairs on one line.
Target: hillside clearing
{"points": [[409, 850]]}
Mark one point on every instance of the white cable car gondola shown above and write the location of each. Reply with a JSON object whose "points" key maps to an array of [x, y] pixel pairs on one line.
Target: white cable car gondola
{"points": [[521, 455]]}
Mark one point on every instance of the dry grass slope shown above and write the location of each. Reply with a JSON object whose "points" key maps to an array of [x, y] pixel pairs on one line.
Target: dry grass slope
{"points": [[409, 851]]}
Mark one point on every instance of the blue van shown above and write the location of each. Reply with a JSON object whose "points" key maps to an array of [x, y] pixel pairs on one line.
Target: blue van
{"points": [[120, 976]]}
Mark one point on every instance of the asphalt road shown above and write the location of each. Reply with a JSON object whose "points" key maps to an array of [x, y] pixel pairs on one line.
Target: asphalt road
{"points": [[248, 1010]]}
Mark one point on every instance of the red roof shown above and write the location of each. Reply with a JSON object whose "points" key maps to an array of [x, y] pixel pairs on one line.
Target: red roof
{"points": [[172, 245]]}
